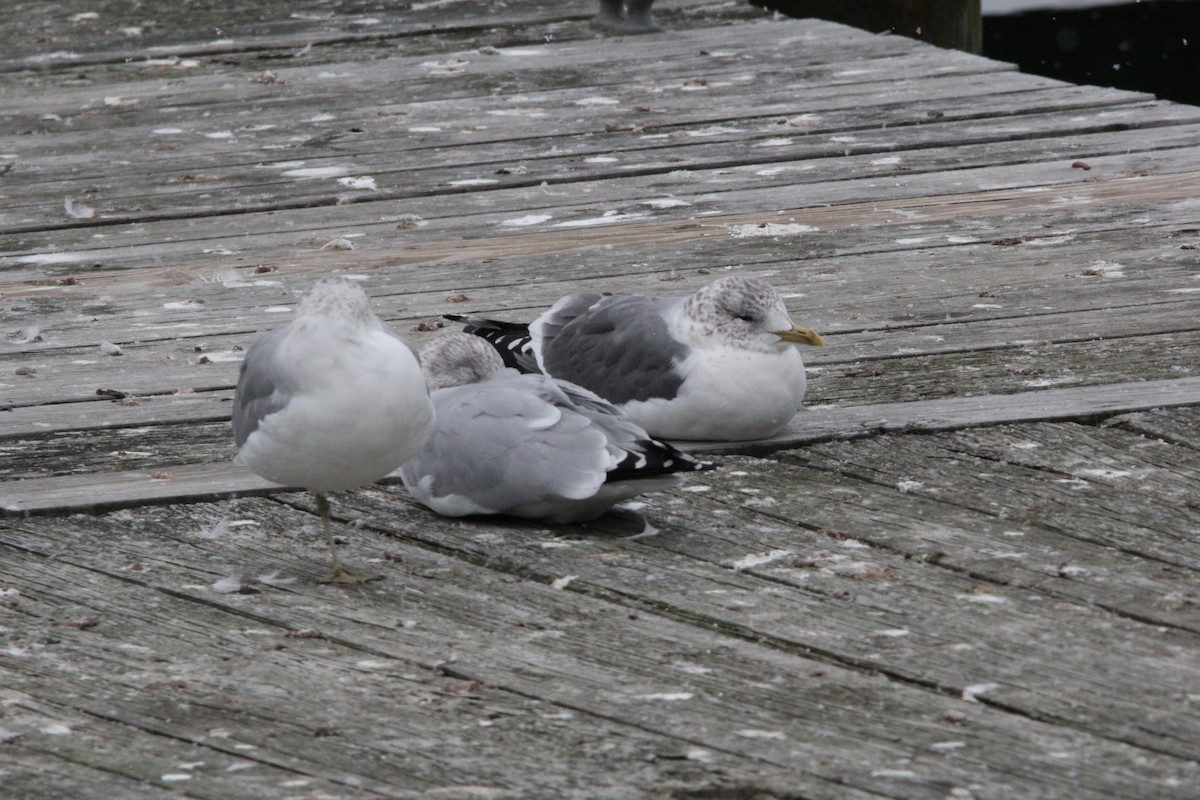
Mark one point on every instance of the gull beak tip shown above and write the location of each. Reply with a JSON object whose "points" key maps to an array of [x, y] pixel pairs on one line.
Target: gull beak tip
{"points": [[801, 336]]}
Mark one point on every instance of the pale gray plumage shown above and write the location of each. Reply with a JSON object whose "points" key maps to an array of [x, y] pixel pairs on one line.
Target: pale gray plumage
{"points": [[528, 445], [333, 400], [717, 364]]}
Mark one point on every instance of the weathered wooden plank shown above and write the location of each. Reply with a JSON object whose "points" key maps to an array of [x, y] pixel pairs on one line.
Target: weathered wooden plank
{"points": [[130, 487], [153, 410], [432, 27], [93, 431], [1052, 362], [495, 127], [189, 482], [956, 413], [576, 157], [774, 45], [914, 201], [906, 644], [214, 680], [59, 749], [879, 518], [1114, 514], [33, 773], [945, 270], [938, 611], [175, 362], [1179, 426], [613, 659], [51, 42]]}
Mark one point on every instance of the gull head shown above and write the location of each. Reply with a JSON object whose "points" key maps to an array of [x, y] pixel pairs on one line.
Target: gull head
{"points": [[338, 298], [747, 313], [457, 359]]}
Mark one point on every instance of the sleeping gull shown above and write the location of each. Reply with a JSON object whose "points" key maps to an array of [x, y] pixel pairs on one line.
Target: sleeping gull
{"points": [[717, 364], [527, 445], [333, 400]]}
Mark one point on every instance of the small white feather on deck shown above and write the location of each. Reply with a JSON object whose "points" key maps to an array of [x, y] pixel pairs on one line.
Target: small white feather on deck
{"points": [[527, 445], [715, 365], [333, 400]]}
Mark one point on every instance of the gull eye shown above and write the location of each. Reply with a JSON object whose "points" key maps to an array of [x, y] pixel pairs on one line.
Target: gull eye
{"points": [[744, 317]]}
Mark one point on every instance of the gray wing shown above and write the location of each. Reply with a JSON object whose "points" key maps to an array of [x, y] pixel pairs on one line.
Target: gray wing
{"points": [[263, 385], [618, 347], [504, 443]]}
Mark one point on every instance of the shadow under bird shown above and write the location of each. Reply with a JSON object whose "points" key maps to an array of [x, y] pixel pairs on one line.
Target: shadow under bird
{"points": [[718, 364], [527, 445], [333, 400]]}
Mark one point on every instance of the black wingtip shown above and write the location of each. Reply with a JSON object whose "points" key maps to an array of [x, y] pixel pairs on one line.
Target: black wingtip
{"points": [[654, 458], [511, 339]]}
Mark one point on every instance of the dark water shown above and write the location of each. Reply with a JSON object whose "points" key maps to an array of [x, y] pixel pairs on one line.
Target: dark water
{"points": [[1151, 46]]}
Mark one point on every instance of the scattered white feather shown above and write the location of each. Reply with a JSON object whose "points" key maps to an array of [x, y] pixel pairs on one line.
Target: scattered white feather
{"points": [[78, 210], [667, 696], [339, 243], [563, 582], [753, 733], [975, 690], [665, 202], [310, 173], [273, 579], [607, 218], [228, 585], [759, 559], [769, 229], [648, 530], [216, 531], [110, 349], [528, 219], [363, 182], [1108, 474], [28, 335], [51, 258], [992, 599], [777, 141], [179, 305]]}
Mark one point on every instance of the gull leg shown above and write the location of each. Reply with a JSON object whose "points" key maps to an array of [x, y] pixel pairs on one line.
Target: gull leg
{"points": [[339, 573]]}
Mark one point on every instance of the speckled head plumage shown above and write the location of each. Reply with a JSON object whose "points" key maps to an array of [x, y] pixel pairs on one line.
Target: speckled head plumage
{"points": [[457, 359], [746, 312], [336, 297]]}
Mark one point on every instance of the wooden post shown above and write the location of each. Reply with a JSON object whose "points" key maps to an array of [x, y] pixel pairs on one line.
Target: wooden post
{"points": [[945, 23]]}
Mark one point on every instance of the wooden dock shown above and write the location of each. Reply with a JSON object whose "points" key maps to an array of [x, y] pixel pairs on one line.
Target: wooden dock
{"points": [[969, 569]]}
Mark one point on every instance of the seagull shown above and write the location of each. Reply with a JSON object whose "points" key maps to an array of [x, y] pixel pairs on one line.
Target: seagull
{"points": [[718, 364], [527, 445], [333, 400]]}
